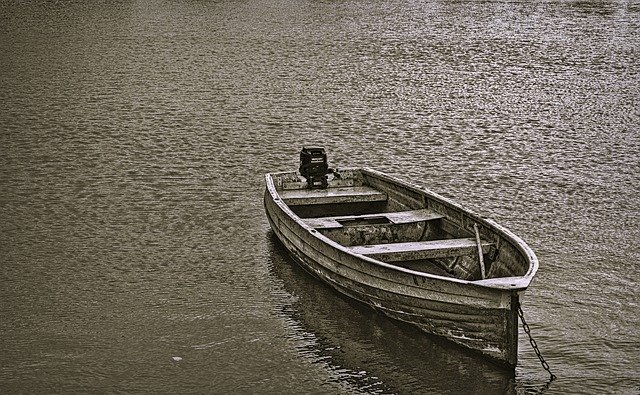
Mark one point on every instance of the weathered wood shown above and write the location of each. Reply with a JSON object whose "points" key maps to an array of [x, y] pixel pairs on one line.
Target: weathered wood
{"points": [[478, 314], [297, 197], [398, 217], [411, 251], [480, 252]]}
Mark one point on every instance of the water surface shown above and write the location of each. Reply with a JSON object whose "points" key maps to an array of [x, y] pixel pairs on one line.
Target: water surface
{"points": [[134, 136]]}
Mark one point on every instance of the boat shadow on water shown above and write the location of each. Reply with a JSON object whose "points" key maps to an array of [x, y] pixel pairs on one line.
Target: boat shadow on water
{"points": [[371, 351]]}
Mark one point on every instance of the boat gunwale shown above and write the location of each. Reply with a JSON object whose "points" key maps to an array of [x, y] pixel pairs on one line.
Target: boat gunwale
{"points": [[514, 284]]}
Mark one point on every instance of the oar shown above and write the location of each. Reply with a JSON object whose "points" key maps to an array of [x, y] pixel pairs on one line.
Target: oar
{"points": [[475, 227]]}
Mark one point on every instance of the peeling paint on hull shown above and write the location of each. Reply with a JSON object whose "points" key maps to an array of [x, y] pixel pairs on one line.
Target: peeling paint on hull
{"points": [[472, 313]]}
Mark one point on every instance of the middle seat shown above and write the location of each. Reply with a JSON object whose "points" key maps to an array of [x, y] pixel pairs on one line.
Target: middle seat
{"points": [[397, 217]]}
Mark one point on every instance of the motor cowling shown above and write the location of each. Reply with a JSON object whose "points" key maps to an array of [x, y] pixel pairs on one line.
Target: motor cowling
{"points": [[314, 166]]}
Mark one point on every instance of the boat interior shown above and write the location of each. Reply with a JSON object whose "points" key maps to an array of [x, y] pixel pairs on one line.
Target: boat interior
{"points": [[397, 224]]}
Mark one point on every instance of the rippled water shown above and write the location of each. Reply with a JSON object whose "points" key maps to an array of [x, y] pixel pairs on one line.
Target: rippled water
{"points": [[134, 136]]}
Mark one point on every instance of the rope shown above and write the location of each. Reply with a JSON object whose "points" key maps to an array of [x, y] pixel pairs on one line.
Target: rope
{"points": [[527, 330]]}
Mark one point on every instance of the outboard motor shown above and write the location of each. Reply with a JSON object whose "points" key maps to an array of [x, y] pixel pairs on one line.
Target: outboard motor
{"points": [[314, 167]]}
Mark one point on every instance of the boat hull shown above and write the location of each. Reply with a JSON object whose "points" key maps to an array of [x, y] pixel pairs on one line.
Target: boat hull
{"points": [[478, 317]]}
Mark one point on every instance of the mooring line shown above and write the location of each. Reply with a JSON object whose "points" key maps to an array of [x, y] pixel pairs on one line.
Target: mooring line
{"points": [[527, 330]]}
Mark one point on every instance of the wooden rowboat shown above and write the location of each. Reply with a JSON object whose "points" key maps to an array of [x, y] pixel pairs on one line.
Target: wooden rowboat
{"points": [[411, 254]]}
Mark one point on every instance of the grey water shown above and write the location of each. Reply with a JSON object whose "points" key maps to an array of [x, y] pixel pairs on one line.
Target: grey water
{"points": [[134, 136]]}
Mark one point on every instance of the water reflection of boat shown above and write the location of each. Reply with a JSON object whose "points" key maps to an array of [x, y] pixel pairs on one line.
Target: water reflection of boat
{"points": [[408, 252], [373, 352]]}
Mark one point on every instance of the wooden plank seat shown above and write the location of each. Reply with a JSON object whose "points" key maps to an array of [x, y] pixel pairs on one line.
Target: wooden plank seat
{"points": [[416, 250], [298, 197], [398, 217]]}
